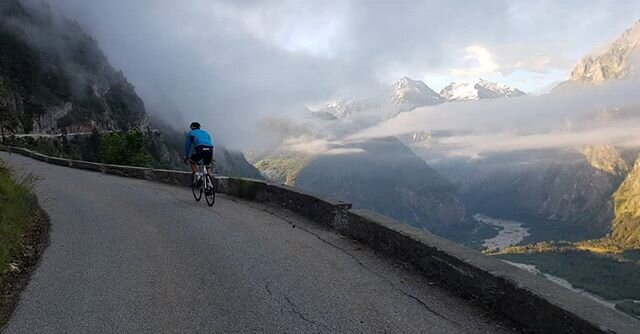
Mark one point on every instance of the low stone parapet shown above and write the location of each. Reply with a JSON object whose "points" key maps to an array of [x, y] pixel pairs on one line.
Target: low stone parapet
{"points": [[531, 300], [128, 171]]}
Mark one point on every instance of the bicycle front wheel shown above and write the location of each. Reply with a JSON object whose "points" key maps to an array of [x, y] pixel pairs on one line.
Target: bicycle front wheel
{"points": [[196, 188], [209, 190]]}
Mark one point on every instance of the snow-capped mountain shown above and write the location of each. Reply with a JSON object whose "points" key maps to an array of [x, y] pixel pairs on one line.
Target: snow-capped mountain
{"points": [[413, 92], [407, 94], [342, 108], [404, 95], [481, 89]]}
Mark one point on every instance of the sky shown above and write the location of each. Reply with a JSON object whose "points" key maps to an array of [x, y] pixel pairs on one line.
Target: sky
{"points": [[228, 62]]}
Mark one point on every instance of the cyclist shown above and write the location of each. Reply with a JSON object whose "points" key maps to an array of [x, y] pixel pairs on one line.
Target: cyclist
{"points": [[200, 142]]}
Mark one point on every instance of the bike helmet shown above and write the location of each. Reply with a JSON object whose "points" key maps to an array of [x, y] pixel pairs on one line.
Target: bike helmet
{"points": [[194, 125]]}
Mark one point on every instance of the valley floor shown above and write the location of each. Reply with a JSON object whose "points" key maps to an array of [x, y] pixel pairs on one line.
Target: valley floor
{"points": [[609, 279]]}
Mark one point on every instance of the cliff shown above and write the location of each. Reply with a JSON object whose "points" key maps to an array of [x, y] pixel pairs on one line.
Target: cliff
{"points": [[625, 228], [619, 61], [54, 78]]}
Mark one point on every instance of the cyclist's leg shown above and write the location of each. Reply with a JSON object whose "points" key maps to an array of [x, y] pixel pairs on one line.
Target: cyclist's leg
{"points": [[207, 159], [193, 160]]}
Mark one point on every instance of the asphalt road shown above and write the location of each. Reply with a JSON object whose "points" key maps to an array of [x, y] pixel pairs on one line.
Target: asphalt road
{"points": [[131, 256]]}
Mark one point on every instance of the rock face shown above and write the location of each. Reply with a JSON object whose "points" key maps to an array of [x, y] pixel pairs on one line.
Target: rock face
{"points": [[620, 61], [606, 158], [54, 78], [482, 89], [625, 228]]}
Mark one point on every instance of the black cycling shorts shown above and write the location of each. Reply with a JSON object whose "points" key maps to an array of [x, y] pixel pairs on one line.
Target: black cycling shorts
{"points": [[204, 153]]}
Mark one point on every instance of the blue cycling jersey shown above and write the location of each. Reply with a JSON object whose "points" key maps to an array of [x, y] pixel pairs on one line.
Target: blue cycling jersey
{"points": [[196, 138]]}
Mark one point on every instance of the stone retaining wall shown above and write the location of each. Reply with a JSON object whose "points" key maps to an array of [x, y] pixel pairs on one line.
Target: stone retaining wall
{"points": [[534, 302]]}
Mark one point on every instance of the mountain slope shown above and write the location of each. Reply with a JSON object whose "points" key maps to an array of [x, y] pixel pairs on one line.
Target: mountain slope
{"points": [[54, 78], [413, 92], [606, 158], [558, 194], [281, 166], [383, 175], [619, 61], [625, 228]]}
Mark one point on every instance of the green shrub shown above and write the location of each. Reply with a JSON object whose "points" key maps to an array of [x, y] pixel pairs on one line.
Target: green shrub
{"points": [[125, 148]]}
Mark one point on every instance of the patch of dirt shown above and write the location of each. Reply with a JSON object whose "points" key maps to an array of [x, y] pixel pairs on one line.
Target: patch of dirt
{"points": [[13, 282]]}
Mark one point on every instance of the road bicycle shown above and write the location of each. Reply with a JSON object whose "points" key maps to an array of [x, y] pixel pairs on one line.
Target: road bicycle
{"points": [[203, 183]]}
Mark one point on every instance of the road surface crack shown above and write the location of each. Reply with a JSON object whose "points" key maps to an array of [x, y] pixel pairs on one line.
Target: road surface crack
{"points": [[357, 260], [294, 308]]}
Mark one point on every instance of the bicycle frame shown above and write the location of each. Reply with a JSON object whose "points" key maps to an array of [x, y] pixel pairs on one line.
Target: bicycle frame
{"points": [[205, 172], [202, 168]]}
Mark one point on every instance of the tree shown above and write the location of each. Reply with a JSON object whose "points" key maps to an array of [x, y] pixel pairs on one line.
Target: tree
{"points": [[125, 148]]}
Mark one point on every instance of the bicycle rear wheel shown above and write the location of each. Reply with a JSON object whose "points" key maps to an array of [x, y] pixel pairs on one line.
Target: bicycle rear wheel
{"points": [[210, 190], [196, 188]]}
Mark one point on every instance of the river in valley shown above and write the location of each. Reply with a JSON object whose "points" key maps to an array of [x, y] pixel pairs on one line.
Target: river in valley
{"points": [[510, 232]]}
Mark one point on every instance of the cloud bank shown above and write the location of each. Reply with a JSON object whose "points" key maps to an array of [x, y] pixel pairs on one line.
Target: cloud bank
{"points": [[605, 114], [229, 63]]}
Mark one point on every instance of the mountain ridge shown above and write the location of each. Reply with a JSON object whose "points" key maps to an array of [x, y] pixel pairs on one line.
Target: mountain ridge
{"points": [[619, 61], [478, 90], [416, 92], [407, 94]]}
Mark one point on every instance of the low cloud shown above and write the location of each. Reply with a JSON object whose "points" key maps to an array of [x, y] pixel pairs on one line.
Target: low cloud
{"points": [[479, 61], [503, 60], [623, 134], [594, 115], [314, 146]]}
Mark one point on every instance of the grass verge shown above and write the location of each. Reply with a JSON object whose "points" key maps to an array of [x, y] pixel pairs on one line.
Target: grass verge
{"points": [[24, 234]]}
